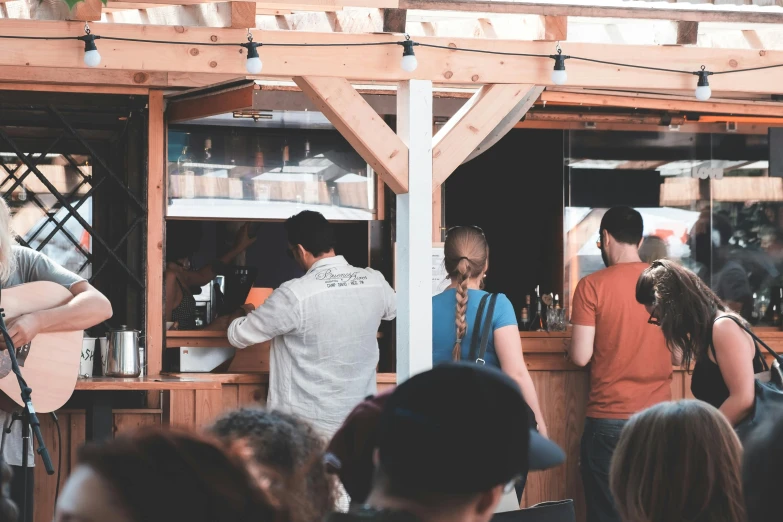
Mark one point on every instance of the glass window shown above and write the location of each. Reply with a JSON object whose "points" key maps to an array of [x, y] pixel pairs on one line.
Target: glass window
{"points": [[707, 200], [226, 173], [39, 220]]}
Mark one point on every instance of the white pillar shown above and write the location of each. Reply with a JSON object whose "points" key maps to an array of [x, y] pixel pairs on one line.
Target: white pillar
{"points": [[414, 232]]}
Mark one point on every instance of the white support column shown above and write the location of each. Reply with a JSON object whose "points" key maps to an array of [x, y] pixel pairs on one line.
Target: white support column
{"points": [[414, 232]]}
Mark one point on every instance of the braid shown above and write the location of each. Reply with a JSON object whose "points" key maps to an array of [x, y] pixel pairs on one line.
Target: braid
{"points": [[462, 307]]}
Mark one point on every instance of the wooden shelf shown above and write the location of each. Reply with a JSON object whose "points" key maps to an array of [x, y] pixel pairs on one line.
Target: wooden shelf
{"points": [[147, 383], [225, 378], [197, 339]]}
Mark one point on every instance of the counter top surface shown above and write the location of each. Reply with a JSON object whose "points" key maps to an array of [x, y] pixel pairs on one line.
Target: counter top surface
{"points": [[147, 383]]}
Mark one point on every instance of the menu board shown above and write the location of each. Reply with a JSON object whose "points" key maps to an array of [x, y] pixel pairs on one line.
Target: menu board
{"points": [[440, 279]]}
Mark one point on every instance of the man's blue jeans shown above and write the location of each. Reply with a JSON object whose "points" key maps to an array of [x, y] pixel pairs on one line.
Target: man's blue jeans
{"points": [[599, 441]]}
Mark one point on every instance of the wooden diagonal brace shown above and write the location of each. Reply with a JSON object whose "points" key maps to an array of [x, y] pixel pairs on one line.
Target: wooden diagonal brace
{"points": [[364, 129], [476, 120]]}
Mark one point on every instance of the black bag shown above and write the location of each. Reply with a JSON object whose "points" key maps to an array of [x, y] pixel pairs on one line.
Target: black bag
{"points": [[480, 339], [769, 389], [557, 511]]}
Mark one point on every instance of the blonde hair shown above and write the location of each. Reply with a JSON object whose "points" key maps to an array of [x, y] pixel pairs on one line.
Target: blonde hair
{"points": [[677, 462], [7, 241], [466, 253]]}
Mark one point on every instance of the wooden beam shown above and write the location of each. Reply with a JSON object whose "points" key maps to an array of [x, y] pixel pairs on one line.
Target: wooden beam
{"points": [[381, 62], [413, 269], [221, 102], [666, 104], [241, 15], [507, 123], [757, 129], [394, 20], [687, 33], [474, 121], [286, 4], [555, 28], [86, 11], [653, 12], [156, 199], [361, 126]]}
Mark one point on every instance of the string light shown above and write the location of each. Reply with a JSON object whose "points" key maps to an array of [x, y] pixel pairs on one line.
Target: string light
{"points": [[559, 74], [92, 57], [703, 91], [409, 61], [253, 63]]}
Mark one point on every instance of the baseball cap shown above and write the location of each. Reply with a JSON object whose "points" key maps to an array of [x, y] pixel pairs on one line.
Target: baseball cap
{"points": [[460, 428]]}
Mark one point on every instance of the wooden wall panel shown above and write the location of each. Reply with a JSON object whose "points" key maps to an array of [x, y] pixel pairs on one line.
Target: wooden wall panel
{"points": [[230, 397], [131, 420], [73, 429], [563, 398], [251, 395]]}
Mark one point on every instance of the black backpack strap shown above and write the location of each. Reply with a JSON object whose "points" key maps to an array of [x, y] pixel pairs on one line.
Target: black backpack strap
{"points": [[474, 342], [756, 343], [487, 328]]}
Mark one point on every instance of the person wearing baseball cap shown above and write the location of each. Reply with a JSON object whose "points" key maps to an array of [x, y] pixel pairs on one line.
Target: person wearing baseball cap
{"points": [[449, 443]]}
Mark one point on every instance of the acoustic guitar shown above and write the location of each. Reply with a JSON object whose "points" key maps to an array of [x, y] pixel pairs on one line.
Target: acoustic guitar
{"points": [[50, 363]]}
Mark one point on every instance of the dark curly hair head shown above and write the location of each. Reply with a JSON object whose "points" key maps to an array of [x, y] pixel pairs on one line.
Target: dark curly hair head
{"points": [[290, 454], [164, 475]]}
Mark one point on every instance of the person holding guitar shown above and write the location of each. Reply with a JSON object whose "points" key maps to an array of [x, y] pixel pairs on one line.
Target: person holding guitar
{"points": [[88, 307]]}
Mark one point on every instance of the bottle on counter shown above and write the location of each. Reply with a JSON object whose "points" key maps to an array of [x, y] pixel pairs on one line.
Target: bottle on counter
{"points": [[524, 316], [775, 315], [557, 301], [537, 323]]}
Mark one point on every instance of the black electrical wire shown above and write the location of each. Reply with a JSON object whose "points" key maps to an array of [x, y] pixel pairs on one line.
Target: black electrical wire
{"points": [[375, 44]]}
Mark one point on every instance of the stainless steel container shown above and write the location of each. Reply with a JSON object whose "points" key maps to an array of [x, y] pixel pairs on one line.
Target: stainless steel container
{"points": [[122, 353]]}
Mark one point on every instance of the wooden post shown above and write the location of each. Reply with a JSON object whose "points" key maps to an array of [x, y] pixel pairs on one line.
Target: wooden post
{"points": [[155, 228], [414, 231]]}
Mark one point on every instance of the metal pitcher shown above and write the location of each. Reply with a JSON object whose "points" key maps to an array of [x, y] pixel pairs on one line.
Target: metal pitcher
{"points": [[120, 355]]}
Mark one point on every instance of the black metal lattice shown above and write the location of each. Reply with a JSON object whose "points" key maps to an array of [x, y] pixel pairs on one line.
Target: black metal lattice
{"points": [[29, 163]]}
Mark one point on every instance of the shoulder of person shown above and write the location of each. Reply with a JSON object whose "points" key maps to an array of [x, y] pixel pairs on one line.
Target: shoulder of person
{"points": [[725, 325]]}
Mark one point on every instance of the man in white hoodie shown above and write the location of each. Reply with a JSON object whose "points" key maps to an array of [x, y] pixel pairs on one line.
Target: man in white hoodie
{"points": [[323, 328]]}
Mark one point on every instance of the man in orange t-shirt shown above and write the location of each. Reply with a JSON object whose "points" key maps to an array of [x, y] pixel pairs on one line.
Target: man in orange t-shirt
{"points": [[631, 367]]}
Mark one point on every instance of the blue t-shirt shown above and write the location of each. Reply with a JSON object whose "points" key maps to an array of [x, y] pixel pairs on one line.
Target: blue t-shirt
{"points": [[444, 329]]}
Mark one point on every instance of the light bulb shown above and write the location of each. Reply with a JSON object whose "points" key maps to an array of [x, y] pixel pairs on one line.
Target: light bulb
{"points": [[703, 92], [91, 56], [559, 74], [409, 61], [559, 77], [253, 65]]}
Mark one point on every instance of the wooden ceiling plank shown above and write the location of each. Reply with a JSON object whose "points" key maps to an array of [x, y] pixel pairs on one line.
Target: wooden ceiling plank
{"points": [[581, 10], [473, 123], [361, 126]]}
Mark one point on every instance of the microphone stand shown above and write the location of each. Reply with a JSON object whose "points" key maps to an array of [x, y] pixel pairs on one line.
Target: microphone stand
{"points": [[28, 418]]}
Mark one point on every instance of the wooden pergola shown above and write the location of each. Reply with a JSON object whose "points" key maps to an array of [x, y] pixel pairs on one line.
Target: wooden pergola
{"points": [[410, 160]]}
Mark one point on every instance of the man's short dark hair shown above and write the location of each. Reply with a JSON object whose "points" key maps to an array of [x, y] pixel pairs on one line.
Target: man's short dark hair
{"points": [[312, 231], [624, 224]]}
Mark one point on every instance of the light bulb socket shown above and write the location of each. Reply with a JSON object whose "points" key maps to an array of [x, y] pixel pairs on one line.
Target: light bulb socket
{"points": [[559, 61], [89, 42], [703, 78], [252, 49], [407, 48]]}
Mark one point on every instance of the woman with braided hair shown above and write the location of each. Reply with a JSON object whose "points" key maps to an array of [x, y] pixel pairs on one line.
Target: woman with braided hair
{"points": [[454, 312]]}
